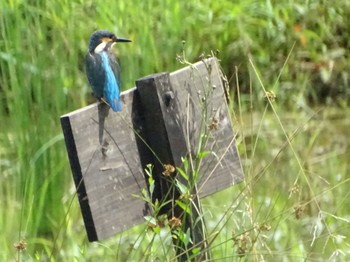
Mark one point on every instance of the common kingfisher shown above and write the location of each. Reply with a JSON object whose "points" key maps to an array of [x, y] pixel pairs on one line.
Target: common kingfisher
{"points": [[102, 68]]}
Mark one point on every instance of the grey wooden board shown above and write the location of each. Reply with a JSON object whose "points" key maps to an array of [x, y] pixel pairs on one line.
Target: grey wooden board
{"points": [[106, 166], [107, 158], [199, 97]]}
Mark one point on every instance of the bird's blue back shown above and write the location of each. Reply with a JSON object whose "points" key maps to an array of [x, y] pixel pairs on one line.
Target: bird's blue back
{"points": [[111, 90], [103, 74]]}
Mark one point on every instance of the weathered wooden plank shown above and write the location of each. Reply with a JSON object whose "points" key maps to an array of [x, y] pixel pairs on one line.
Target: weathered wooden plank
{"points": [[194, 105], [104, 156]]}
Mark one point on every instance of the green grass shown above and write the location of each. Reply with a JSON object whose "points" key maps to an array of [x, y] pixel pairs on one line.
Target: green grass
{"points": [[296, 186]]}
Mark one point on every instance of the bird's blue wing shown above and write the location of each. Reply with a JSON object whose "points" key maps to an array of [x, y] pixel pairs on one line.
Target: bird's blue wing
{"points": [[115, 67], [111, 89], [113, 62], [95, 73]]}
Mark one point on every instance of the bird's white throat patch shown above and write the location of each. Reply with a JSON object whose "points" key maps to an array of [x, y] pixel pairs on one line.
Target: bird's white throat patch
{"points": [[100, 47], [105, 44]]}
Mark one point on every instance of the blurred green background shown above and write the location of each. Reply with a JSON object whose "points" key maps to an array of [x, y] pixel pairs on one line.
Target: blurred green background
{"points": [[301, 52]]}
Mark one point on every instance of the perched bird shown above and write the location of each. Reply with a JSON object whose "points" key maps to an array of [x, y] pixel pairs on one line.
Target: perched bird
{"points": [[102, 68]]}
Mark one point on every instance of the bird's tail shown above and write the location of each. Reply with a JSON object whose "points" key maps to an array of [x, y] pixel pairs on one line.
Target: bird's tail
{"points": [[116, 105]]}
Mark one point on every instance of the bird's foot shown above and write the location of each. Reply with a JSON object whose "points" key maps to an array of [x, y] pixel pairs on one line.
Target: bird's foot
{"points": [[104, 101]]}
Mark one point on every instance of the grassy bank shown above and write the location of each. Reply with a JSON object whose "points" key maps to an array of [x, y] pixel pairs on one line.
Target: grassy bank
{"points": [[296, 187]]}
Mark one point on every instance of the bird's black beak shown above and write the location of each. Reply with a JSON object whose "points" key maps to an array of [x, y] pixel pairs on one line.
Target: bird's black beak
{"points": [[122, 40]]}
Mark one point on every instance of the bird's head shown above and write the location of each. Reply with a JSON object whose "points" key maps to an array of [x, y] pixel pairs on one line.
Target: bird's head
{"points": [[102, 40]]}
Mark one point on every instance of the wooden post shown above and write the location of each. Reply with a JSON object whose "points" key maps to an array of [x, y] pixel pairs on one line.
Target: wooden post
{"points": [[159, 106], [168, 117]]}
